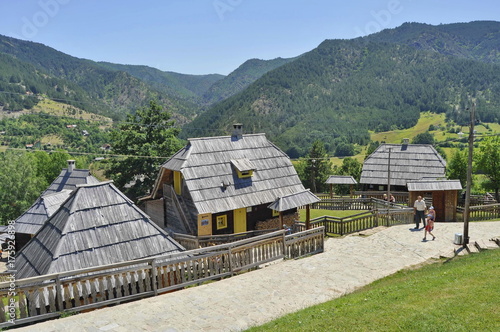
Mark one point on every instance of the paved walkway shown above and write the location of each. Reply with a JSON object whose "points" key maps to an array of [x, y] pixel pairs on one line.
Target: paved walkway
{"points": [[260, 296]]}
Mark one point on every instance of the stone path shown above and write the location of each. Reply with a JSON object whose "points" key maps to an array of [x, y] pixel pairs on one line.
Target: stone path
{"points": [[260, 296]]}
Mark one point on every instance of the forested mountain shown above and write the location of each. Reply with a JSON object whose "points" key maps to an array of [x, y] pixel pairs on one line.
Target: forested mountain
{"points": [[188, 87], [20, 82], [478, 40], [343, 88], [239, 79], [109, 92]]}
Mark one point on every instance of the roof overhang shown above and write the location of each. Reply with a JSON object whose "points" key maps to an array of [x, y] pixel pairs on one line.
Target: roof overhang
{"points": [[294, 200], [434, 185]]}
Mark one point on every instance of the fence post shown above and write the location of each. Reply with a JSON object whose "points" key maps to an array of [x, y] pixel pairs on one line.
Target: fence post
{"points": [[59, 294], [154, 274], [284, 244]]}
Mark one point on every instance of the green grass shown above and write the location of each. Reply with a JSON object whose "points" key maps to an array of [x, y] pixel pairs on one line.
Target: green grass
{"points": [[425, 120], [459, 295], [315, 213]]}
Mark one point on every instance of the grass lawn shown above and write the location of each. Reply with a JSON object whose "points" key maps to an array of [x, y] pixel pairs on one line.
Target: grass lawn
{"points": [[315, 213], [458, 295]]}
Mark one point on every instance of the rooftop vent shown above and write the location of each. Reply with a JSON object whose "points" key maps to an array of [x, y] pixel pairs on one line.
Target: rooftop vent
{"points": [[237, 131]]}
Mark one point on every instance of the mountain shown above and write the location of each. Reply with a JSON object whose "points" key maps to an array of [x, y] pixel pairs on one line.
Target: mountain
{"points": [[342, 89], [479, 40], [188, 87], [108, 92], [20, 82], [240, 78]]}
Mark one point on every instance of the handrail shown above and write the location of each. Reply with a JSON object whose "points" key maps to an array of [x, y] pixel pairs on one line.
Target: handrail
{"points": [[180, 209]]}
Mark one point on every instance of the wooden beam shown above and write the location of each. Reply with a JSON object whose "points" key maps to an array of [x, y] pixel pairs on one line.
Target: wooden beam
{"points": [[308, 216]]}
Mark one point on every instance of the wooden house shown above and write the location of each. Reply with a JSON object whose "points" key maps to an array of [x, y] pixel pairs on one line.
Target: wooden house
{"points": [[444, 195], [224, 185], [97, 225], [49, 201], [401, 163]]}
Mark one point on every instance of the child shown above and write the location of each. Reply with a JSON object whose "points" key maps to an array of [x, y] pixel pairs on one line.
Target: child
{"points": [[431, 216]]}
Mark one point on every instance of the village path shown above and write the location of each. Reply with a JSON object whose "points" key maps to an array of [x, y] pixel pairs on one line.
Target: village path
{"points": [[254, 298]]}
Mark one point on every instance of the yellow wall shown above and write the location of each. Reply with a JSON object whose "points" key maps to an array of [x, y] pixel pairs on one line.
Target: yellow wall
{"points": [[205, 224], [178, 182]]}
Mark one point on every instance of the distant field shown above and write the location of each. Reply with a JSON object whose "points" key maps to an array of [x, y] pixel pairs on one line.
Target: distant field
{"points": [[55, 108], [397, 136]]}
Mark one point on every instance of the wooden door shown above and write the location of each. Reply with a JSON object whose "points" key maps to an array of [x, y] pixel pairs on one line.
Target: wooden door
{"points": [[439, 205], [240, 220]]}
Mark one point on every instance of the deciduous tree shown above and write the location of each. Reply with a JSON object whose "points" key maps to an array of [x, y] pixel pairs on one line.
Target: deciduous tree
{"points": [[488, 162], [147, 138]]}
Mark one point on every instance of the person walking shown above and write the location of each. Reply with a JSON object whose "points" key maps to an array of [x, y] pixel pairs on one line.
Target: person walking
{"points": [[419, 211], [431, 217]]}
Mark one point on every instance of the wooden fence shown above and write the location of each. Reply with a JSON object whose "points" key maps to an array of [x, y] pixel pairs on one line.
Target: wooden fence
{"points": [[48, 296], [194, 242], [480, 212], [361, 221]]}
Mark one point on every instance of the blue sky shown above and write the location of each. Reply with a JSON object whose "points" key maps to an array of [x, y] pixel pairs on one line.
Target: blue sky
{"points": [[215, 36]]}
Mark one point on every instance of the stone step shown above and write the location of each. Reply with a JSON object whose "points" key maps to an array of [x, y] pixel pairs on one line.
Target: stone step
{"points": [[485, 245], [496, 239], [472, 247]]}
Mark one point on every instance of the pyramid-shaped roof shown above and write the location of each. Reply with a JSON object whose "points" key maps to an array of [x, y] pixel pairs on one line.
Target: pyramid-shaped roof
{"points": [[50, 200], [97, 225]]}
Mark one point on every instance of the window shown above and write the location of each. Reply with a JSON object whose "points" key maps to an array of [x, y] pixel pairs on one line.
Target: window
{"points": [[221, 222], [244, 167], [275, 213]]}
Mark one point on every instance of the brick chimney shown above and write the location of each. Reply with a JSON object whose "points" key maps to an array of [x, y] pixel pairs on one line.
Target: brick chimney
{"points": [[237, 131], [71, 165]]}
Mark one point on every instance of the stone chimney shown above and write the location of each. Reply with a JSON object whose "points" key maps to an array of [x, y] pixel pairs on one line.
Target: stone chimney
{"points": [[237, 131], [71, 165], [406, 141]]}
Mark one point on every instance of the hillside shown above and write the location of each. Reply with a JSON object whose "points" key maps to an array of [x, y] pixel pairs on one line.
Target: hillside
{"points": [[478, 40], [108, 92], [187, 87], [343, 88], [240, 78], [20, 82]]}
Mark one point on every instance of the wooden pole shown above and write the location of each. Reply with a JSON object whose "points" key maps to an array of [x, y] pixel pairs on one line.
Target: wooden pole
{"points": [[469, 177], [308, 216]]}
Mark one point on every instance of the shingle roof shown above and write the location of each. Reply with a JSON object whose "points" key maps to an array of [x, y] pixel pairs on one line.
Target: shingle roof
{"points": [[97, 225], [50, 200], [69, 179], [294, 200], [206, 163], [409, 162], [340, 179], [434, 185], [45, 206]]}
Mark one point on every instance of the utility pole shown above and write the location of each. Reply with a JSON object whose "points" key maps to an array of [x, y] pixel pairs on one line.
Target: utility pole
{"points": [[469, 176], [389, 177]]}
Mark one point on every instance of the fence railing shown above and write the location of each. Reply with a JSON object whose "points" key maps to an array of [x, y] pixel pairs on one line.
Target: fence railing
{"points": [[194, 242], [40, 298], [480, 212], [361, 221]]}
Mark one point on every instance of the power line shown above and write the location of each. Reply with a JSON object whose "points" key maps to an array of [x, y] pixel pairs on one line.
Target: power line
{"points": [[90, 153]]}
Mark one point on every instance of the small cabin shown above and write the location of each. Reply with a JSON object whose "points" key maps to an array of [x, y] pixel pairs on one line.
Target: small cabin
{"points": [[444, 195]]}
